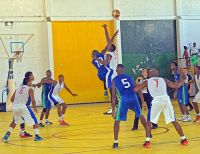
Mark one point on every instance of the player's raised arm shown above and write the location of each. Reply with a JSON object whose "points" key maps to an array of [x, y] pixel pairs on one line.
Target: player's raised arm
{"points": [[140, 86], [65, 86], [114, 99], [13, 97], [104, 50], [115, 34], [174, 85], [31, 93], [108, 40]]}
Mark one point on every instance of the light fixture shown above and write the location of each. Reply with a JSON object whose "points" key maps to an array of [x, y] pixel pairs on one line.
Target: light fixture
{"points": [[9, 23]]}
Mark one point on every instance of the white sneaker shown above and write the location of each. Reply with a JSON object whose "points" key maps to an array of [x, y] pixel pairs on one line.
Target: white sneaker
{"points": [[182, 118], [108, 112], [187, 119]]}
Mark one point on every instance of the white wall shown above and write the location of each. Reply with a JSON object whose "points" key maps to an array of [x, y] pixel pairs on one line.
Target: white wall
{"points": [[28, 17]]}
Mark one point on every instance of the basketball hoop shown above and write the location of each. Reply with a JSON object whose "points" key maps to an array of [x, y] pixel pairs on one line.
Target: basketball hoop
{"points": [[18, 56]]}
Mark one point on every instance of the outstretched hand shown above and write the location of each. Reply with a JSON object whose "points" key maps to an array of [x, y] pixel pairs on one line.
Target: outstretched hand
{"points": [[104, 26]]}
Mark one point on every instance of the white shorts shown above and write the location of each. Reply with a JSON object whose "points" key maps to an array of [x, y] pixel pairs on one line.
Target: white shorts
{"points": [[162, 104], [23, 112], [197, 98], [55, 99]]}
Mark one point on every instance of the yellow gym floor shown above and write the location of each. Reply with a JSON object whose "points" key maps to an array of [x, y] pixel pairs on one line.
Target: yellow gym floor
{"points": [[91, 132]]}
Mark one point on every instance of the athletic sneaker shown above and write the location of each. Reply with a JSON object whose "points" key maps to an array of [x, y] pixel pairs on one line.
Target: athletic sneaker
{"points": [[187, 119], [109, 112], [184, 142], [105, 93], [63, 123], [48, 123], [25, 135], [147, 144], [41, 124], [155, 126], [5, 138], [197, 120], [181, 118], [38, 138], [115, 145]]}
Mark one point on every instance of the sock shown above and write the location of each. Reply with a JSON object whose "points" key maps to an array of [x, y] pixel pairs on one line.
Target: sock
{"points": [[198, 114], [46, 120], [36, 131], [40, 121], [10, 129], [148, 139], [22, 132], [61, 118], [183, 137], [115, 141]]}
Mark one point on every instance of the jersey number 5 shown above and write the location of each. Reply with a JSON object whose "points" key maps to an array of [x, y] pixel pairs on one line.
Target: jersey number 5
{"points": [[125, 83]]}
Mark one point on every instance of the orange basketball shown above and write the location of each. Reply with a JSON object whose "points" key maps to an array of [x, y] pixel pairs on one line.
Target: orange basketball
{"points": [[116, 13]]}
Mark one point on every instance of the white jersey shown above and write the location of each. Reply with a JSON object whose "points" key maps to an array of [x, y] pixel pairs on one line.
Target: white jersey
{"points": [[22, 95], [157, 86], [197, 80], [194, 50], [113, 61], [57, 88]]}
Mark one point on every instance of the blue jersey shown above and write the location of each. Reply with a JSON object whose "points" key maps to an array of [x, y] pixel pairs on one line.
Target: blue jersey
{"points": [[124, 85], [100, 68]]}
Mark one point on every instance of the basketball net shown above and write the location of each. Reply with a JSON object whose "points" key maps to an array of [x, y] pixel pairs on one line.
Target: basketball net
{"points": [[18, 56]]}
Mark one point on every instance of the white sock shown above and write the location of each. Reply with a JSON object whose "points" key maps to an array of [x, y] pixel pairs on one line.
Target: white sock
{"points": [[22, 131], [63, 116], [40, 121], [148, 139], [10, 129], [183, 137], [36, 131], [46, 120], [115, 141]]}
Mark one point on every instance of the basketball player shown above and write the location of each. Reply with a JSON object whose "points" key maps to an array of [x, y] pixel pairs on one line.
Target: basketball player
{"points": [[183, 96], [21, 99], [123, 84], [147, 98], [110, 62], [197, 96], [46, 104], [54, 97], [157, 87], [102, 71]]}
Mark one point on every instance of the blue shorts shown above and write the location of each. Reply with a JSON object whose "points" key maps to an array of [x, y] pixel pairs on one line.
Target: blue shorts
{"points": [[128, 102], [46, 104], [183, 97], [102, 77]]}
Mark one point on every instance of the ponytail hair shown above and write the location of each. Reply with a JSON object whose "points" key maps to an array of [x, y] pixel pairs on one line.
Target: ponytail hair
{"points": [[25, 81]]}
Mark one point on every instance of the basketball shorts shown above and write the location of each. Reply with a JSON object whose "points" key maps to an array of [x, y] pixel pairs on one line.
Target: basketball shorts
{"points": [[183, 97], [128, 102], [161, 104], [197, 97], [24, 112], [55, 99], [46, 103]]}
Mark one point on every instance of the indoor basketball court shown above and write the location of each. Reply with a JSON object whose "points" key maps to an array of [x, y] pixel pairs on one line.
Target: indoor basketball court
{"points": [[70, 70]]}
